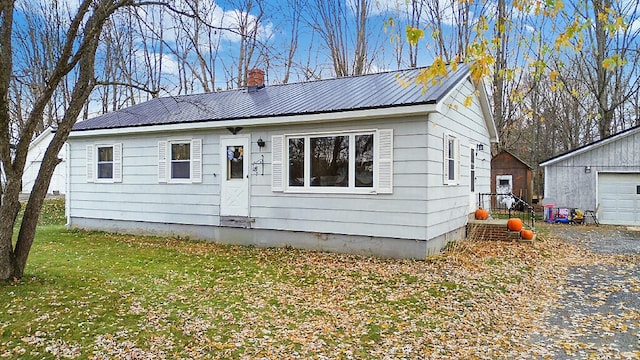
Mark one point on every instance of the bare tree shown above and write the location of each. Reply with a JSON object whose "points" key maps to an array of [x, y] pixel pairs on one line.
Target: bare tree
{"points": [[248, 19], [74, 63], [464, 18], [606, 67], [345, 33], [292, 21]]}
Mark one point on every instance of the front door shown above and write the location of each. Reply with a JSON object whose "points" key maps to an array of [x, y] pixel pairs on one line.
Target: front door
{"points": [[234, 186]]}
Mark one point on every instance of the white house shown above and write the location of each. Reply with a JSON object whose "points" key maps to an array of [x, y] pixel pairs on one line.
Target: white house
{"points": [[371, 164], [602, 176], [34, 159]]}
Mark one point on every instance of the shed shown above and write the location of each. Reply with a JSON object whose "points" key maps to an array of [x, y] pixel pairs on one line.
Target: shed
{"points": [[509, 174], [371, 164], [35, 155], [602, 176]]}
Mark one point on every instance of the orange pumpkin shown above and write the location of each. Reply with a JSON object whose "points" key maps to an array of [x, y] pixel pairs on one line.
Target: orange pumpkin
{"points": [[514, 224], [526, 234], [482, 214]]}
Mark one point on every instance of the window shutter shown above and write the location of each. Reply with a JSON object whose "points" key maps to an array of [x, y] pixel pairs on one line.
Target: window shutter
{"points": [[117, 162], [277, 155], [162, 161], [456, 143], [90, 163], [385, 161], [196, 160], [445, 159]]}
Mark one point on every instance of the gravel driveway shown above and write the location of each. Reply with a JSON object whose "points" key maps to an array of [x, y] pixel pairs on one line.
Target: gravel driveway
{"points": [[598, 313]]}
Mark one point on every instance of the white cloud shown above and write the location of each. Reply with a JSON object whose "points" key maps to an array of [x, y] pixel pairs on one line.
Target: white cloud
{"points": [[164, 62]]}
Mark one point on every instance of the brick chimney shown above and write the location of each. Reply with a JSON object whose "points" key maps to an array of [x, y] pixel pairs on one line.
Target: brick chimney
{"points": [[255, 79]]}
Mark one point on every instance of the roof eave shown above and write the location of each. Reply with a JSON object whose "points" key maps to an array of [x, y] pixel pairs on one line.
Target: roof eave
{"points": [[487, 113], [345, 115], [485, 106], [590, 147]]}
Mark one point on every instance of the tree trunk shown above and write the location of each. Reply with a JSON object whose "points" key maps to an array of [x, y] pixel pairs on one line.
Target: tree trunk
{"points": [[78, 55], [9, 204]]}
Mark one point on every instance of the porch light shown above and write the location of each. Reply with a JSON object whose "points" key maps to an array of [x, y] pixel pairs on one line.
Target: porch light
{"points": [[587, 169], [260, 143], [479, 147]]}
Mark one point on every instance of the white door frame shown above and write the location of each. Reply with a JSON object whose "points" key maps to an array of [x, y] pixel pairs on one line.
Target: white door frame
{"points": [[234, 192]]}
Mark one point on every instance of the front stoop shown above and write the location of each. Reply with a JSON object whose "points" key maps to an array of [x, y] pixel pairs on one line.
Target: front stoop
{"points": [[237, 221], [493, 229]]}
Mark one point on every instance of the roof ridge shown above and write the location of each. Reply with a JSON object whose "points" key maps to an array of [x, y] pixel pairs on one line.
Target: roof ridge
{"points": [[404, 70]]}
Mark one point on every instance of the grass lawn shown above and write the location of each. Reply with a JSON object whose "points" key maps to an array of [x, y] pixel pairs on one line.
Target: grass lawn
{"points": [[98, 295]]}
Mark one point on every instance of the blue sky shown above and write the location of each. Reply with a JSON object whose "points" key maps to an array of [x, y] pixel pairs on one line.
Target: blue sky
{"points": [[167, 35]]}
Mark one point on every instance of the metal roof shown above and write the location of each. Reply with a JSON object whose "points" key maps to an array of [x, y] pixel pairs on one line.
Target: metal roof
{"points": [[381, 90]]}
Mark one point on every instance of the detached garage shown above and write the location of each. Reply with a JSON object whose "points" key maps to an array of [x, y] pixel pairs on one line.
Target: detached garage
{"points": [[603, 176]]}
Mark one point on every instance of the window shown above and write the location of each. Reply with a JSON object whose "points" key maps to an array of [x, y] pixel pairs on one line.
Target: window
{"points": [[296, 162], [357, 162], [329, 161], [180, 161], [235, 162], [472, 168], [104, 163], [451, 161]]}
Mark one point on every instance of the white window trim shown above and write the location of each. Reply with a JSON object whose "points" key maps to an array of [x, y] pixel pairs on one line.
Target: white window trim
{"points": [[92, 163], [195, 161], [445, 159], [383, 158]]}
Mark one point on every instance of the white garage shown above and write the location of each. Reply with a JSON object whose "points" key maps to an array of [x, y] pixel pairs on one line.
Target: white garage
{"points": [[619, 198], [602, 176]]}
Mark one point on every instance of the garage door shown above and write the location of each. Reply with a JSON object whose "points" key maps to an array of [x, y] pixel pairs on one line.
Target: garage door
{"points": [[619, 199]]}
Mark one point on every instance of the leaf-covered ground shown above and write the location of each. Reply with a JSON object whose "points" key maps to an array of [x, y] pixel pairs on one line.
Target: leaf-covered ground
{"points": [[598, 314], [103, 296]]}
